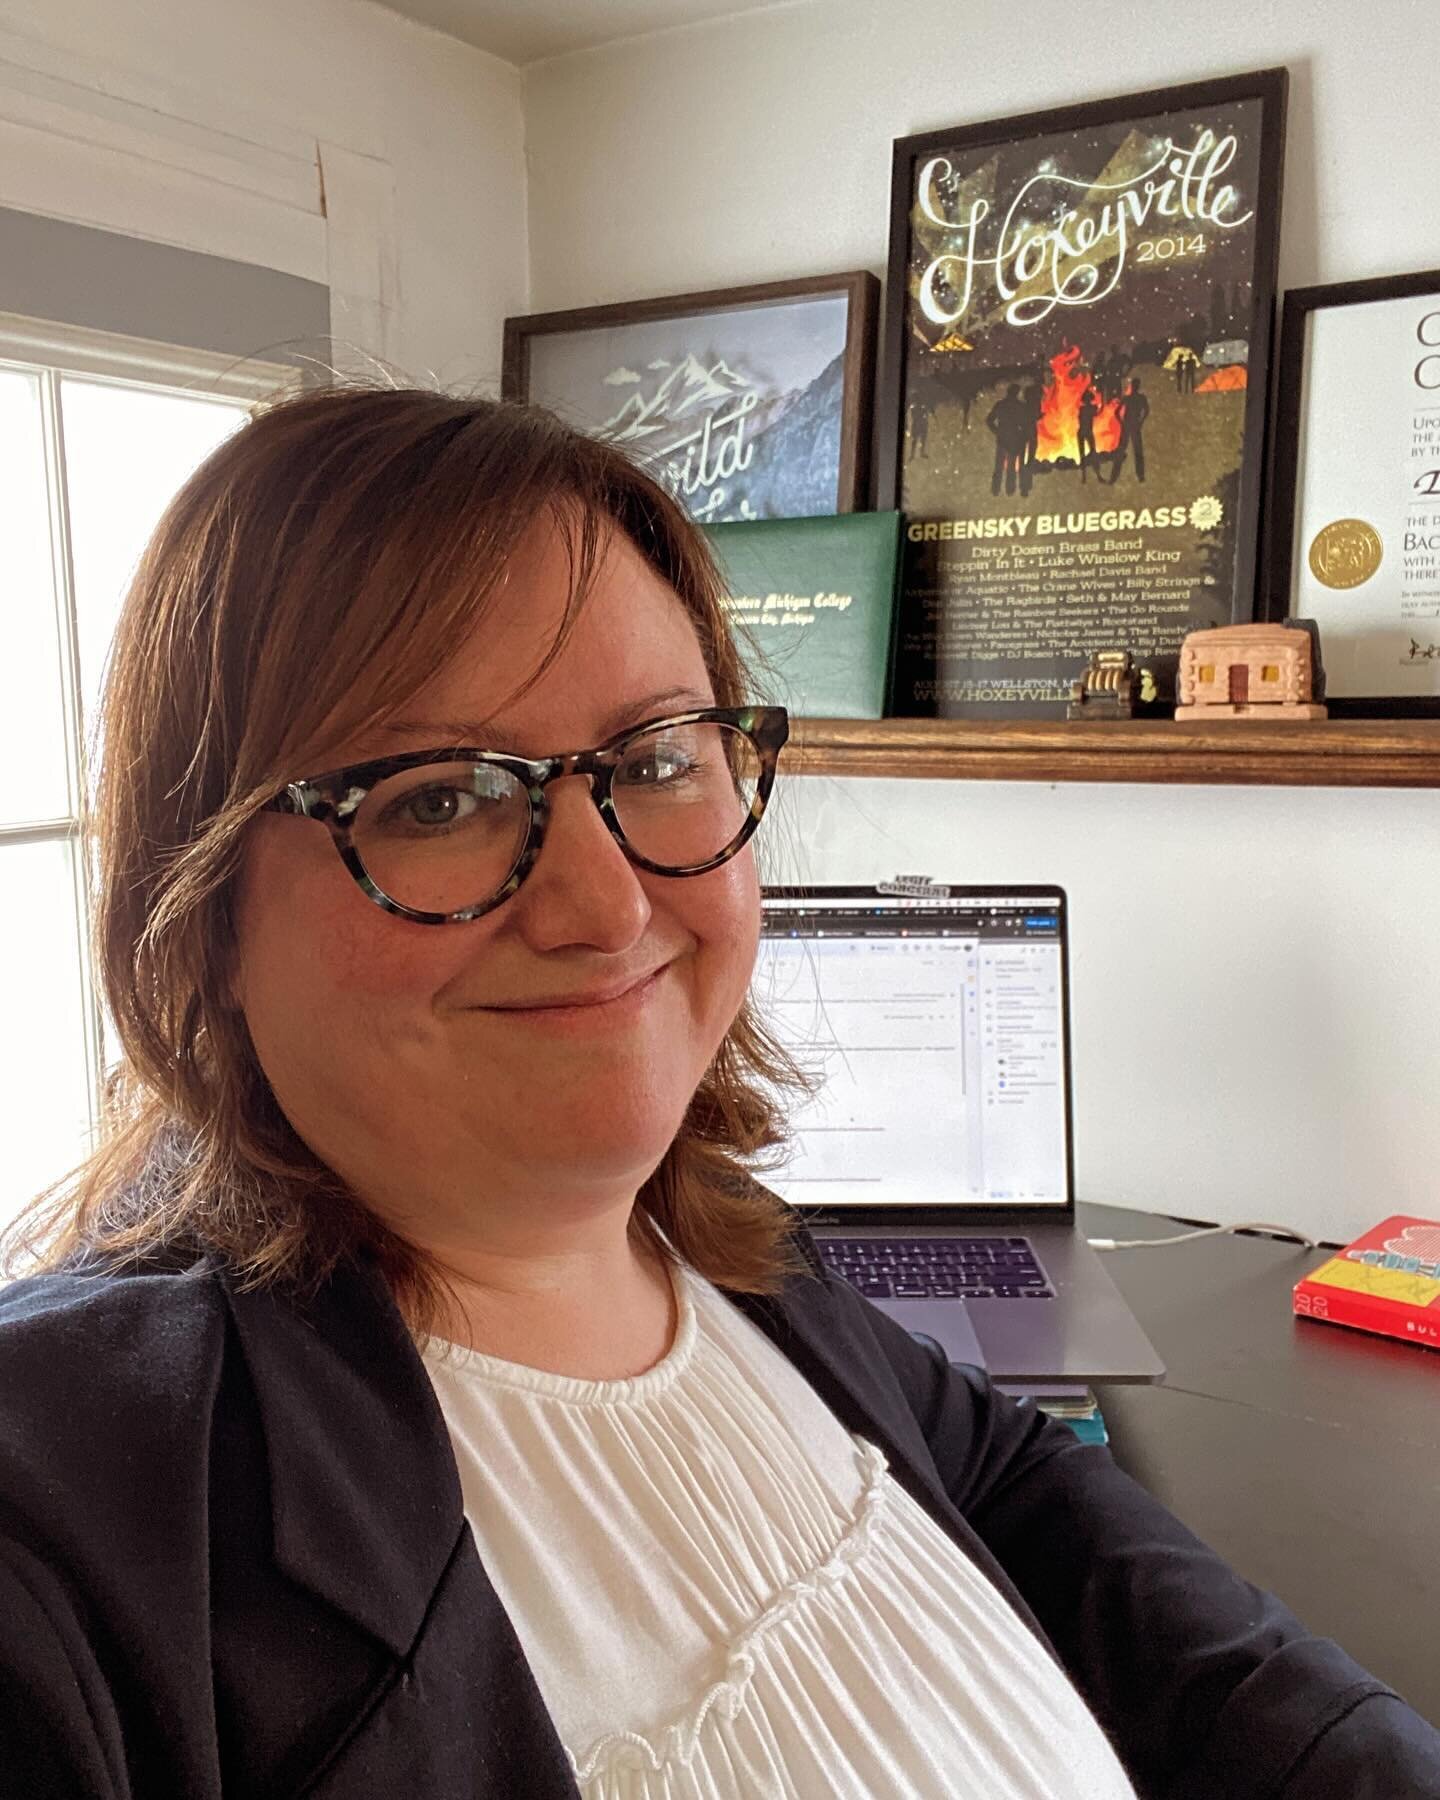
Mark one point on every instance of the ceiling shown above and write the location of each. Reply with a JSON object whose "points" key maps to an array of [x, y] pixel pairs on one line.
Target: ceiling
{"points": [[524, 31]]}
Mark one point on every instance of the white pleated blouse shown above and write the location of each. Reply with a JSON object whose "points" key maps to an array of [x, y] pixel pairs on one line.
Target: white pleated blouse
{"points": [[724, 1595]]}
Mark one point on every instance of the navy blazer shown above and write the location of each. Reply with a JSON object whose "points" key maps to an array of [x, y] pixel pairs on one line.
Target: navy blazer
{"points": [[234, 1562]]}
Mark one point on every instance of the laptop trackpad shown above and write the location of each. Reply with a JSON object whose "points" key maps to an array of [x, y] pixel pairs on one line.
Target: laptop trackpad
{"points": [[944, 1320]]}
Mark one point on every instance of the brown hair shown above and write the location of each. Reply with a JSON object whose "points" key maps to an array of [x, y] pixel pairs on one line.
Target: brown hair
{"points": [[308, 579]]}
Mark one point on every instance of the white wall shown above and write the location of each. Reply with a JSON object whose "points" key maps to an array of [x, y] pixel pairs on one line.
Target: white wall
{"points": [[1255, 986], [1257, 972], [424, 141]]}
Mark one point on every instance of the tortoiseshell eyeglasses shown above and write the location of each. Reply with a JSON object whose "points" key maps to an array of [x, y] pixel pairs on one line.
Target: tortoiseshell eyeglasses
{"points": [[442, 836]]}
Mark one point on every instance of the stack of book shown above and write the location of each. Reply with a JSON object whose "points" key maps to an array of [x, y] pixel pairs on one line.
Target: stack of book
{"points": [[1077, 1406]]}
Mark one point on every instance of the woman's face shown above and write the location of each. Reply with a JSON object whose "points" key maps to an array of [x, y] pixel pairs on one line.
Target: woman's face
{"points": [[543, 1054]]}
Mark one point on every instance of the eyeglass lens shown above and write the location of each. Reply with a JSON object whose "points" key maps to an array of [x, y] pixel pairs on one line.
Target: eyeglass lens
{"points": [[447, 836]]}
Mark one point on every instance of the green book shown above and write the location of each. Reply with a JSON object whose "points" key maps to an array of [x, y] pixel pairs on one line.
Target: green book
{"points": [[816, 600]]}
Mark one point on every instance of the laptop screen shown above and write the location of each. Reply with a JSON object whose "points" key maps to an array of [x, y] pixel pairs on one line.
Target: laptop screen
{"points": [[936, 1028]]}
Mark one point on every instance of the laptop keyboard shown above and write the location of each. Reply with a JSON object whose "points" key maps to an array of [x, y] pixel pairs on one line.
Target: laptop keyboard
{"points": [[982, 1268]]}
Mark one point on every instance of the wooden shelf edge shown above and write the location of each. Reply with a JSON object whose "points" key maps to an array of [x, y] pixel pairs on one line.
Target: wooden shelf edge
{"points": [[1321, 753]]}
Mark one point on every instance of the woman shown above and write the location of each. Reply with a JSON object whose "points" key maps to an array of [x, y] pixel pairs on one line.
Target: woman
{"points": [[418, 1396]]}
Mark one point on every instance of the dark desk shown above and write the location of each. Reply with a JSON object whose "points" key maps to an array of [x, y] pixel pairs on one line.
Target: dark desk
{"points": [[1307, 1455]]}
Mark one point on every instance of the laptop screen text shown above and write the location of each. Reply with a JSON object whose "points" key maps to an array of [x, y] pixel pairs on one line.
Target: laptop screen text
{"points": [[936, 1032]]}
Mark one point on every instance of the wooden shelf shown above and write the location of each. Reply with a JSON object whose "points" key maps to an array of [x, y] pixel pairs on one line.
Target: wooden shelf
{"points": [[1323, 753]]}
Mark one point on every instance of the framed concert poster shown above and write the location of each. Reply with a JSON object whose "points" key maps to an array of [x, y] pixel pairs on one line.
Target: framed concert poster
{"points": [[1354, 512], [1074, 387], [749, 403]]}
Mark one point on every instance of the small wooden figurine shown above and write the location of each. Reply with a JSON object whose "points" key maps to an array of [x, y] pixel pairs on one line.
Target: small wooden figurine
{"points": [[1106, 689], [1119, 684], [1250, 671]]}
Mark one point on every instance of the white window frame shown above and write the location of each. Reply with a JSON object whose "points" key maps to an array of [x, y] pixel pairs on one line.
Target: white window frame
{"points": [[48, 351]]}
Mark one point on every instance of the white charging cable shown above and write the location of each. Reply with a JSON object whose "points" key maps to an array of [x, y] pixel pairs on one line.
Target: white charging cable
{"points": [[1184, 1237]]}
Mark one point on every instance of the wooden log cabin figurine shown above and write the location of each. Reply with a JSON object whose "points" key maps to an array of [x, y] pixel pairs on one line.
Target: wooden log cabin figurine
{"points": [[1263, 671]]}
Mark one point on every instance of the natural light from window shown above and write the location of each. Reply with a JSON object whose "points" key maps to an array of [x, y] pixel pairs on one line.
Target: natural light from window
{"points": [[127, 452], [104, 457]]}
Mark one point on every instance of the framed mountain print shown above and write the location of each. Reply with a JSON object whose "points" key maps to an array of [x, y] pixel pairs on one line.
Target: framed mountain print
{"points": [[749, 403]]}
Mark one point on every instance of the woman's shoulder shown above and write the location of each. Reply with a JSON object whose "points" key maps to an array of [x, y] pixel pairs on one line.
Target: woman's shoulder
{"points": [[88, 1306], [98, 1362], [108, 1387]]}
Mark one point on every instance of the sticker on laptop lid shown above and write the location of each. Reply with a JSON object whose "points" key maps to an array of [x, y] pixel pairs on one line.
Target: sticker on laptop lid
{"points": [[924, 886]]}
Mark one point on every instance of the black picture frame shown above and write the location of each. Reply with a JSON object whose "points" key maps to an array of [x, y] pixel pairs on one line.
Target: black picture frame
{"points": [[1290, 422], [1268, 87], [858, 288]]}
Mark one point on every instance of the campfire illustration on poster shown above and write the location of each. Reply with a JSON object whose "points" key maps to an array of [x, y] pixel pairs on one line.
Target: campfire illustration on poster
{"points": [[1079, 365]]}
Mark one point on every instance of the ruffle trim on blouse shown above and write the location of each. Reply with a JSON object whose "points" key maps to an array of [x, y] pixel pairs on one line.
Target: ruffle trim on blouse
{"points": [[573, 1390], [678, 1742]]}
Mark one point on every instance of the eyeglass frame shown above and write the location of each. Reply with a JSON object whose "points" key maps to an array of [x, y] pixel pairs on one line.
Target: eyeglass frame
{"points": [[333, 799]]}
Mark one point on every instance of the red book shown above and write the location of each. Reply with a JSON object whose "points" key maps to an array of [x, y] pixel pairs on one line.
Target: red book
{"points": [[1387, 1281]]}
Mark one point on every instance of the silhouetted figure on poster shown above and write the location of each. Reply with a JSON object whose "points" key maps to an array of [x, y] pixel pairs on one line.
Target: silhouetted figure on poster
{"points": [[1033, 400], [1085, 434], [1134, 411], [919, 426], [1010, 422]]}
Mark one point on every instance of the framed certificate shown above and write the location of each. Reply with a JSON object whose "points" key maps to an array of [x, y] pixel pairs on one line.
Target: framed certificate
{"points": [[1355, 515]]}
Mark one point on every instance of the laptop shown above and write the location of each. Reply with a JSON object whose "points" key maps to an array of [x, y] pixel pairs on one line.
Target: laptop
{"points": [[934, 1162]]}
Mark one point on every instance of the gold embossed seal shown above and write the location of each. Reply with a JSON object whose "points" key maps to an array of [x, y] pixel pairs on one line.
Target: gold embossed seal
{"points": [[1345, 553]]}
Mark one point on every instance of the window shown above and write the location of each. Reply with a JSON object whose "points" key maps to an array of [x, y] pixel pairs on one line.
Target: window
{"points": [[96, 434]]}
